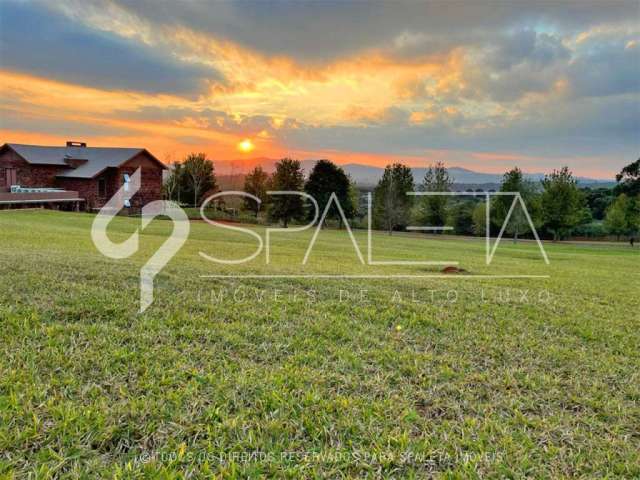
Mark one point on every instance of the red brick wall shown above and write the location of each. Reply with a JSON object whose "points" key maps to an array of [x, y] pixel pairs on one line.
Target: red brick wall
{"points": [[151, 179], [86, 188], [27, 175]]}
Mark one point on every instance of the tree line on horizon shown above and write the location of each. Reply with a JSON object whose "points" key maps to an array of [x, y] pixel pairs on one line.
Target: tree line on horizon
{"points": [[194, 179], [556, 205]]}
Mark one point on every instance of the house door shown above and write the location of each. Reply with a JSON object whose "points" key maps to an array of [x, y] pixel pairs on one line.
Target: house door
{"points": [[11, 177]]}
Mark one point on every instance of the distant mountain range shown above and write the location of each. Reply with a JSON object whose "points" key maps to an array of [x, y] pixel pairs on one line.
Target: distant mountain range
{"points": [[368, 176]]}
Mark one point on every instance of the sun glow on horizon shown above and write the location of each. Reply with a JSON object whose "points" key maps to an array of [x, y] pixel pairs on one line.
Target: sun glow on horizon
{"points": [[412, 94], [246, 146]]}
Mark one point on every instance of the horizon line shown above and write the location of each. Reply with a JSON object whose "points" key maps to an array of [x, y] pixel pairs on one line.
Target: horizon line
{"points": [[526, 172]]}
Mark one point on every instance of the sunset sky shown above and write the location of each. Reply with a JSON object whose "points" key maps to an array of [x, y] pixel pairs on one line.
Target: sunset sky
{"points": [[481, 85]]}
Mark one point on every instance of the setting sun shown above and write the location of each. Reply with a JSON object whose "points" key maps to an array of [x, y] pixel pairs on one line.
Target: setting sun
{"points": [[246, 146]]}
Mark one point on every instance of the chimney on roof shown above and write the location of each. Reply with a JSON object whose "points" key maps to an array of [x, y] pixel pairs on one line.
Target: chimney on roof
{"points": [[76, 144]]}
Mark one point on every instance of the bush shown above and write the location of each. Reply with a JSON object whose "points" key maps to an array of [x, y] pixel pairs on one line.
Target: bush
{"points": [[590, 230], [225, 215]]}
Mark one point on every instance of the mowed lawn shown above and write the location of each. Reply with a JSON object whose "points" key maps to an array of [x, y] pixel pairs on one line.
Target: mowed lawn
{"points": [[449, 376]]}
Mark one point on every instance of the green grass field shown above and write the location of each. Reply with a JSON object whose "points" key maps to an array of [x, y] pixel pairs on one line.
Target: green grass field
{"points": [[453, 377]]}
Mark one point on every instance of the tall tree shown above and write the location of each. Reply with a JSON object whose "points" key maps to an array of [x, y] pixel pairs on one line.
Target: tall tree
{"points": [[287, 177], [462, 217], [436, 179], [171, 186], [256, 183], [623, 216], [562, 203], [327, 178], [598, 200], [616, 219], [391, 204], [514, 181], [199, 172], [354, 197], [633, 217], [479, 217], [629, 180]]}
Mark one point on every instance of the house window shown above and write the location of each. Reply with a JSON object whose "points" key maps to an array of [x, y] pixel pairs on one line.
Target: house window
{"points": [[102, 187], [126, 179]]}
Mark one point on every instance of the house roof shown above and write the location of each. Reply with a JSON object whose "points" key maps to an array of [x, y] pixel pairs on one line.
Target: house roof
{"points": [[97, 158]]}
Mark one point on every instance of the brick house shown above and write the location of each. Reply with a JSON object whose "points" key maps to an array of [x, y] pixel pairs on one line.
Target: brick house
{"points": [[75, 176]]}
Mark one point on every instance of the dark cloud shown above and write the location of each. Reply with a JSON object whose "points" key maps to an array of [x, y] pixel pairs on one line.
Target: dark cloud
{"points": [[589, 128], [318, 31], [606, 68], [527, 46], [37, 41]]}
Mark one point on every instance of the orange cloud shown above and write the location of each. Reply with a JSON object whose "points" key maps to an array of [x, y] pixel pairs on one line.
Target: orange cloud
{"points": [[278, 86], [371, 87], [52, 102]]}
